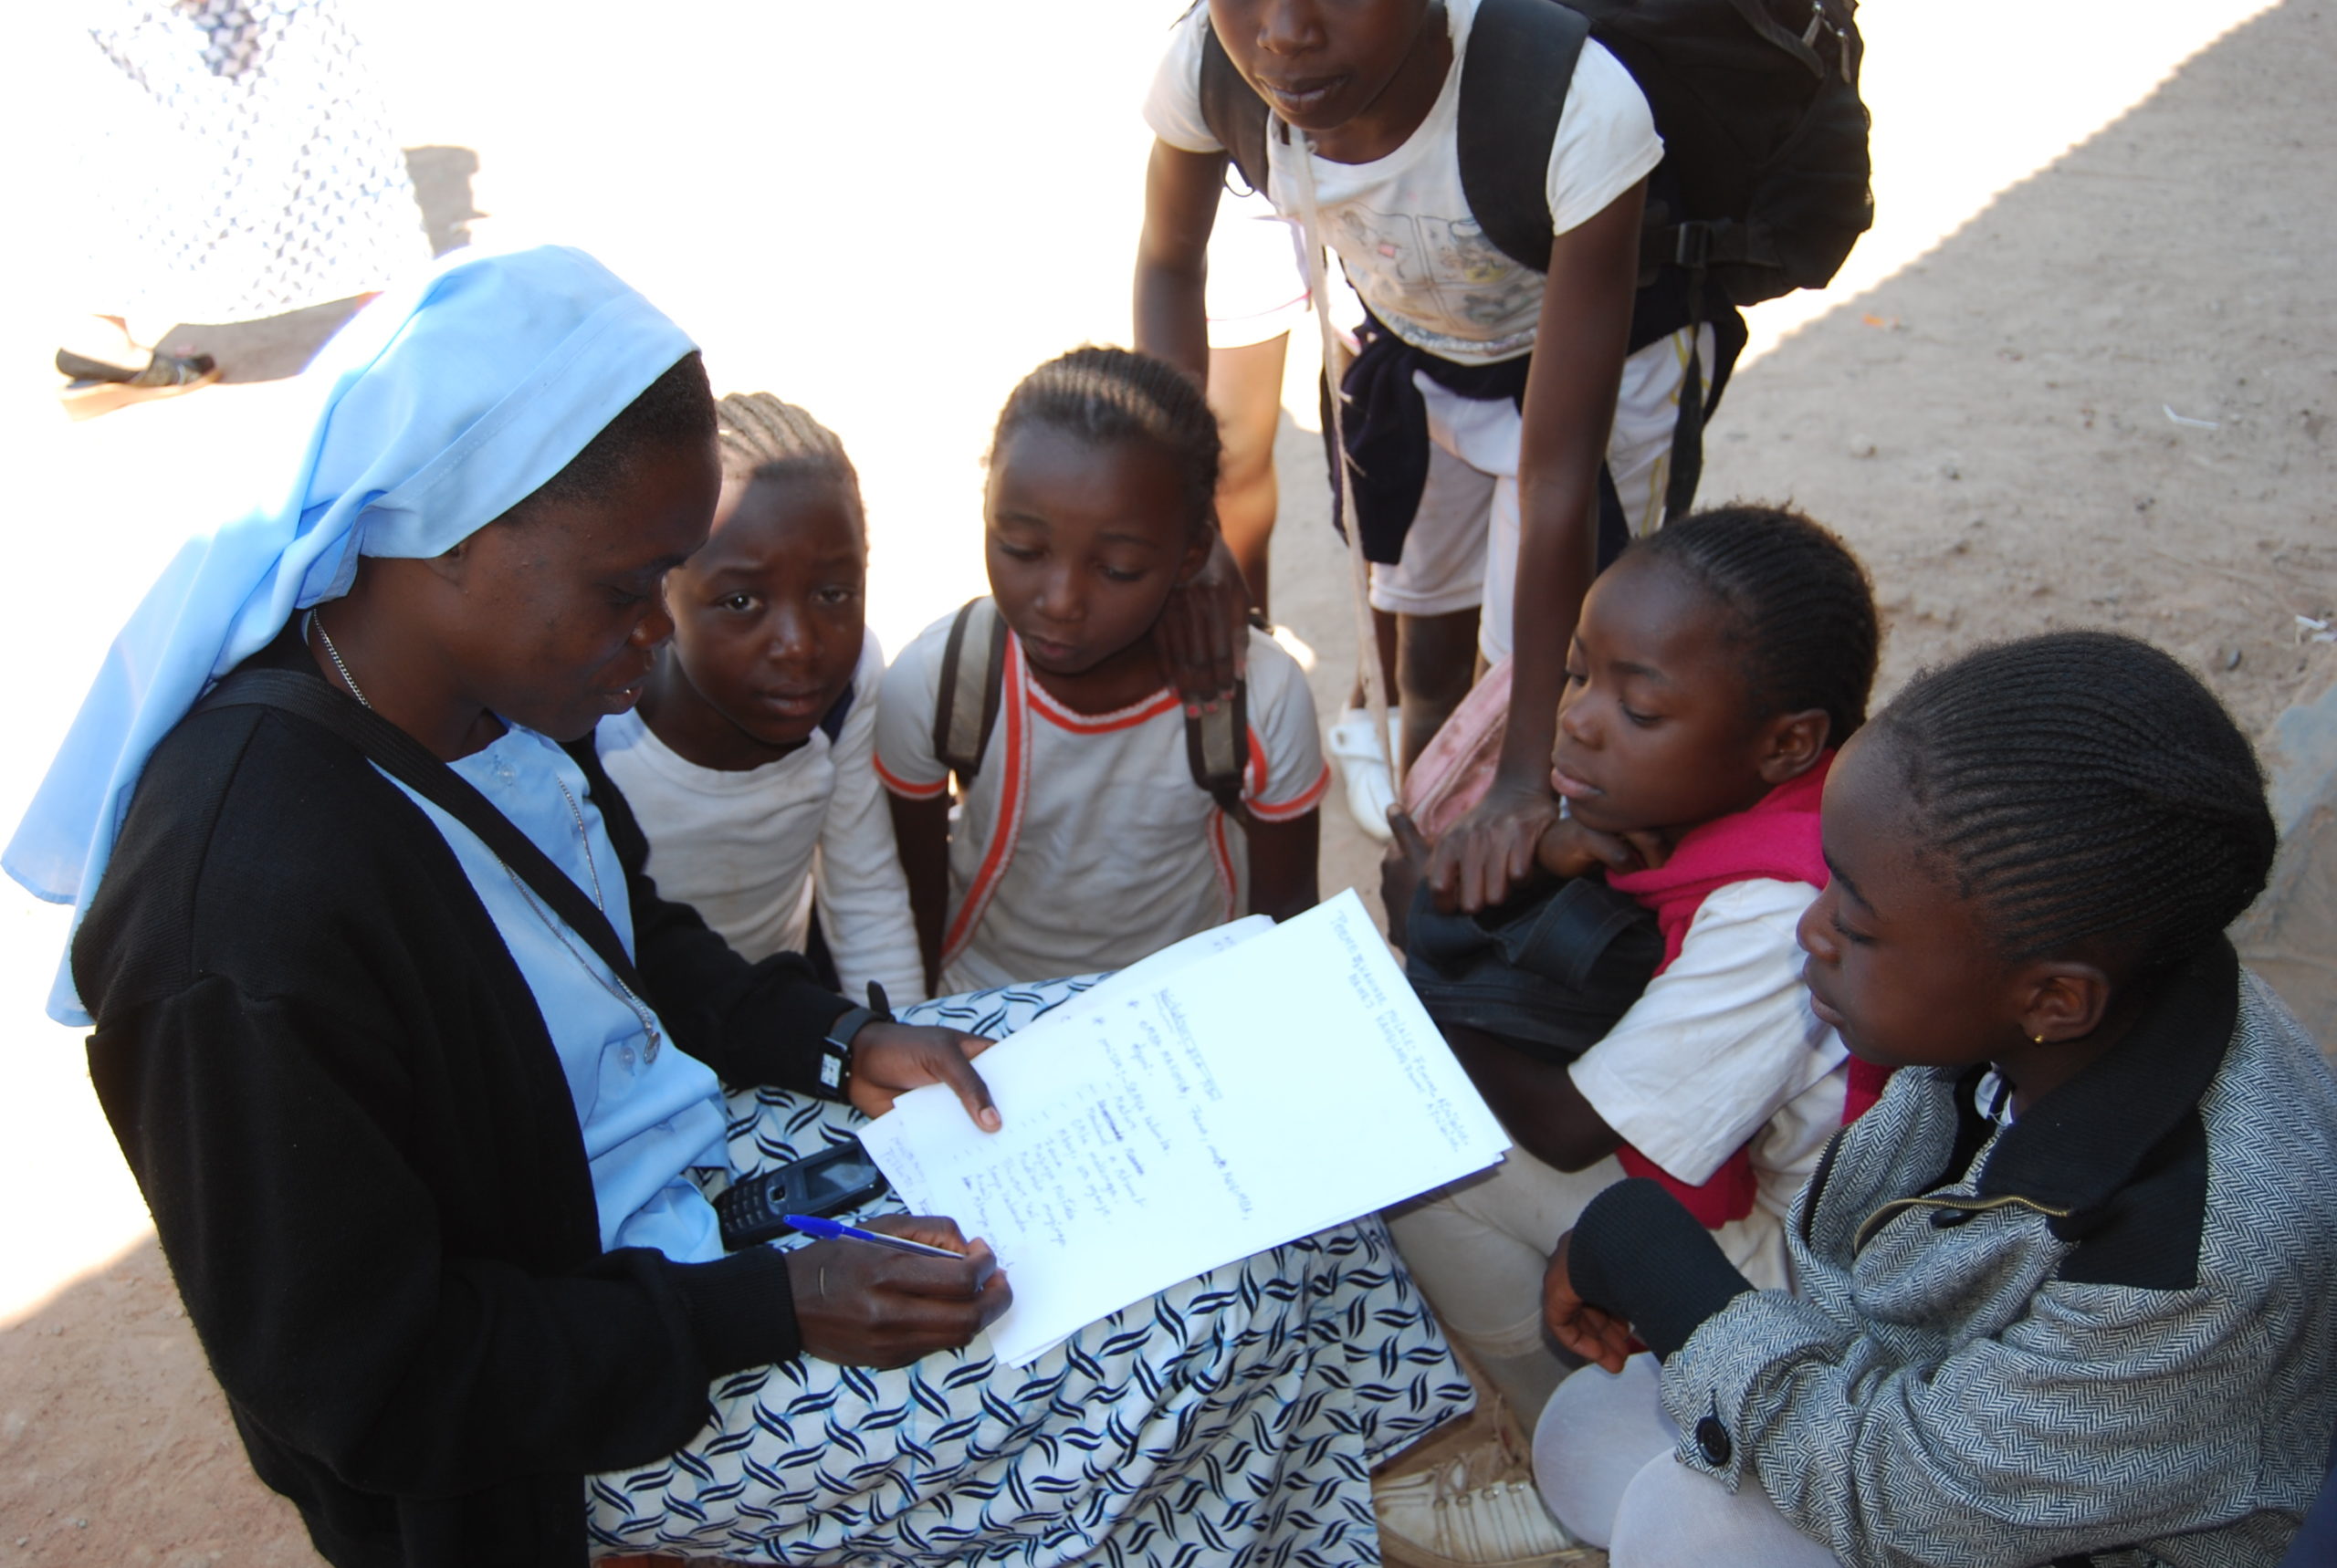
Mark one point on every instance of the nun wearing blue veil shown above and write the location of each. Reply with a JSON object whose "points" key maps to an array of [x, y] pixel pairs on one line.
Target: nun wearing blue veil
{"points": [[432, 1174]]}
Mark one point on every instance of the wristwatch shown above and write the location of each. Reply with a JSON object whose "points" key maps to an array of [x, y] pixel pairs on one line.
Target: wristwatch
{"points": [[835, 1049]]}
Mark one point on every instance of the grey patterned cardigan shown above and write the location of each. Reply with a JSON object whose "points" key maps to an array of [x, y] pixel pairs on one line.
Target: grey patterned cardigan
{"points": [[2104, 1332]]}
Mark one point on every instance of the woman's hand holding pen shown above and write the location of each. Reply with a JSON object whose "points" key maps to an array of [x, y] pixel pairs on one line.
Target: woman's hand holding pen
{"points": [[862, 1305], [890, 1059]]}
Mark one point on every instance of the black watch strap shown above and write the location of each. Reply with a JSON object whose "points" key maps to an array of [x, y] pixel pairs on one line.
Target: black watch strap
{"points": [[835, 1051]]}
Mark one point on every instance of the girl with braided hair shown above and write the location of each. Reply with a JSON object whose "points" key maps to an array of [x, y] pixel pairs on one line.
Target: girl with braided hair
{"points": [[2064, 1295], [1717, 666], [750, 760], [1083, 839]]}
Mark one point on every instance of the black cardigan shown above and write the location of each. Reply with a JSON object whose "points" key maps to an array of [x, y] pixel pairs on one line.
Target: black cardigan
{"points": [[340, 1102]]}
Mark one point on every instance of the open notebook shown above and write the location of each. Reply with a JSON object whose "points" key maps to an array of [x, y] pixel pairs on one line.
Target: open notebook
{"points": [[1241, 1089]]}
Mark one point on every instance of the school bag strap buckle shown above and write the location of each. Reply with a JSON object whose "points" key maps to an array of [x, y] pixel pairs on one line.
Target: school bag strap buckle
{"points": [[1693, 245]]}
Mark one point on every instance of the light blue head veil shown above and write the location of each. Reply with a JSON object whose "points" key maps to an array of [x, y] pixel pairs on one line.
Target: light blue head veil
{"points": [[440, 407]]}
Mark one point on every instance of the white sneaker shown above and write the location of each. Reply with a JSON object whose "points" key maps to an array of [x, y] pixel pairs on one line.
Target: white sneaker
{"points": [[1372, 782], [1434, 1519]]}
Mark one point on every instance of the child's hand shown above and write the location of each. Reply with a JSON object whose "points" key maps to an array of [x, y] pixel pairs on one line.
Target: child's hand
{"points": [[1400, 870], [1489, 851], [1202, 638], [1566, 848], [890, 1059], [1590, 1332]]}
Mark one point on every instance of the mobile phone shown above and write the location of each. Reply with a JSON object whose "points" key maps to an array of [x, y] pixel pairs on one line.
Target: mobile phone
{"points": [[833, 1181]]}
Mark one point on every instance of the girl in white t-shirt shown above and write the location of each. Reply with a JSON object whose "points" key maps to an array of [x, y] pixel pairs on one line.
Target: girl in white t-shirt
{"points": [[1716, 668], [1083, 840], [1480, 476], [750, 759]]}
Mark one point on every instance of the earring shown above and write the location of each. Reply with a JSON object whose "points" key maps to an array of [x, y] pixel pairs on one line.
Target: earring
{"points": [[2037, 1039]]}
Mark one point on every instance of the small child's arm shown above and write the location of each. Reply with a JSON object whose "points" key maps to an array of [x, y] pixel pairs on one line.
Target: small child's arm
{"points": [[1287, 778], [1947, 1447], [1282, 864], [1583, 331], [1537, 1101], [917, 789], [1180, 191], [921, 830], [1202, 635]]}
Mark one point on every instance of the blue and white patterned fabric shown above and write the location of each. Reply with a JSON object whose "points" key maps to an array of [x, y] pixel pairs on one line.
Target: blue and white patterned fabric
{"points": [[1234, 1419]]}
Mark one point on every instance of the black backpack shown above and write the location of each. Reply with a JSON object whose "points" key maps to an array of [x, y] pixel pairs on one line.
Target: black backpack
{"points": [[1548, 973], [1764, 146], [973, 684]]}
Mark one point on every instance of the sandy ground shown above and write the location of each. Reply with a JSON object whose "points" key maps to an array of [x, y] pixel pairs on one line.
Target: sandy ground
{"points": [[1986, 405]]}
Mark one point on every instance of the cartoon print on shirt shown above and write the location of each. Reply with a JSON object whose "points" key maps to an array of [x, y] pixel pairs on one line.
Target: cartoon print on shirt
{"points": [[1413, 270], [1499, 290]]}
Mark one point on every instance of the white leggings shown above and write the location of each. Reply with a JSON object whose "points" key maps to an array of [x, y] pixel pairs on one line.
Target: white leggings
{"points": [[1603, 1458], [1479, 1248]]}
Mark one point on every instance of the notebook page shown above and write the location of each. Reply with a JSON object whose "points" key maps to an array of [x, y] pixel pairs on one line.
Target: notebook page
{"points": [[1156, 1130]]}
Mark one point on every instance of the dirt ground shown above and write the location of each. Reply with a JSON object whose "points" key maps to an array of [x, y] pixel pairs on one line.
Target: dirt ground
{"points": [[2105, 399]]}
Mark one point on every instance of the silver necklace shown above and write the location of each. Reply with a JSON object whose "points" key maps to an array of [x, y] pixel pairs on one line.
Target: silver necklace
{"points": [[615, 988], [349, 680], [559, 928], [652, 1038], [575, 811], [584, 840], [618, 989]]}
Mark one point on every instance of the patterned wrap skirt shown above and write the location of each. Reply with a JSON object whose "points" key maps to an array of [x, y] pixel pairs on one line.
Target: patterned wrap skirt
{"points": [[1233, 1419]]}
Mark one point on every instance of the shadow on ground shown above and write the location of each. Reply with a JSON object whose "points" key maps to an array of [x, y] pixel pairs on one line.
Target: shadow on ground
{"points": [[115, 1446], [2106, 402]]}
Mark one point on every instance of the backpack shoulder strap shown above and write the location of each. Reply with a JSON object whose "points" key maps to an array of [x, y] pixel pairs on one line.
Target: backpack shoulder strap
{"points": [[973, 677], [973, 684], [832, 722], [1233, 112], [411, 763], [1217, 748], [1520, 62]]}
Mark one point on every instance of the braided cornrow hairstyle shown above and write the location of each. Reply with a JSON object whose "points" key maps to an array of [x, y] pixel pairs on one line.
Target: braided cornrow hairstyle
{"points": [[1799, 608], [1112, 394], [763, 438], [2089, 793]]}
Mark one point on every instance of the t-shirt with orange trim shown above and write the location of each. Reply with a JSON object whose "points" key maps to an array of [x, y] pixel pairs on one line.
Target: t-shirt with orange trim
{"points": [[1083, 842]]}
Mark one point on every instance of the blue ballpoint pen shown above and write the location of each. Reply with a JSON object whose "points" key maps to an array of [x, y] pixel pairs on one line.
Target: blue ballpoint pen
{"points": [[830, 1230]]}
